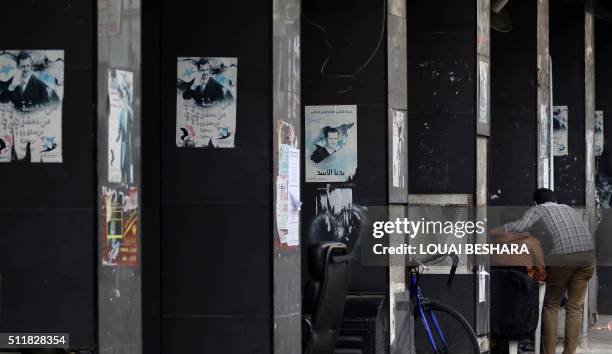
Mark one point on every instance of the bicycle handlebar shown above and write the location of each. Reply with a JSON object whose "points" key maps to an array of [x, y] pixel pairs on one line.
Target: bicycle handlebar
{"points": [[451, 275]]}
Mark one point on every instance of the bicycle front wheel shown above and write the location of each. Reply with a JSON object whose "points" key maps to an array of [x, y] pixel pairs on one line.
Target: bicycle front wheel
{"points": [[450, 331]]}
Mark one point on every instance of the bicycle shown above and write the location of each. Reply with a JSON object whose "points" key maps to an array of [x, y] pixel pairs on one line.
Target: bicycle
{"points": [[453, 334]]}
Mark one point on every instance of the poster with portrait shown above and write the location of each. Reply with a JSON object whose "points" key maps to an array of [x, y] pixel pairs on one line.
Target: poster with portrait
{"points": [[120, 126], [398, 161], [599, 133], [331, 143], [206, 99], [31, 94], [119, 211], [560, 124]]}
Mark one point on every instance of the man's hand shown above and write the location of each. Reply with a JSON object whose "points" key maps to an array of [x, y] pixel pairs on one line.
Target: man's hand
{"points": [[16, 80]]}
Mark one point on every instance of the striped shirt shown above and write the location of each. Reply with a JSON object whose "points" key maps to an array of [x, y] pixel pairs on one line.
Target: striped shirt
{"points": [[565, 225]]}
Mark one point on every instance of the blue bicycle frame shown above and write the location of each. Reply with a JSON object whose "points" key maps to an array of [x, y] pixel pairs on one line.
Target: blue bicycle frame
{"points": [[418, 299]]}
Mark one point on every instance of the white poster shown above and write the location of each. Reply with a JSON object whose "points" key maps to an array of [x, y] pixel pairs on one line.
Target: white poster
{"points": [[120, 126], [399, 133], [31, 94], [331, 143], [599, 133], [560, 124], [206, 102], [483, 102]]}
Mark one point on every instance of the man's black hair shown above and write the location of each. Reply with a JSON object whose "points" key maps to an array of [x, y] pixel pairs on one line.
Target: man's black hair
{"points": [[202, 62], [23, 56], [328, 130], [544, 195]]}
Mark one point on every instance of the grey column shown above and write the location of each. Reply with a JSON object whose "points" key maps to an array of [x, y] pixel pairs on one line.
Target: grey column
{"points": [[397, 98], [589, 158], [483, 124], [545, 160], [119, 280], [286, 102]]}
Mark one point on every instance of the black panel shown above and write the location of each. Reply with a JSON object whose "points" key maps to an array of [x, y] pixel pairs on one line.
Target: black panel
{"points": [[567, 52], [354, 31], [216, 335], [354, 35], [226, 260], [151, 151], [514, 108], [216, 211], [441, 95], [48, 210]]}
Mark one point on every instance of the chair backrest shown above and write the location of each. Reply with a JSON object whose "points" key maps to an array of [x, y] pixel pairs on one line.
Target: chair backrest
{"points": [[325, 295]]}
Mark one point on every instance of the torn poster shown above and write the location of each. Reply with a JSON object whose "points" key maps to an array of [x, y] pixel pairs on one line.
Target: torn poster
{"points": [[288, 195], [599, 133], [119, 226], [399, 149], [560, 124], [483, 101], [331, 143], [206, 102], [337, 218], [120, 126], [31, 95]]}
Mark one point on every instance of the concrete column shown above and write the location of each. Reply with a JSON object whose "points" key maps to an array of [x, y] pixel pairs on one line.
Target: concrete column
{"points": [[120, 289], [545, 160], [397, 99], [483, 129], [286, 102], [589, 106], [589, 124]]}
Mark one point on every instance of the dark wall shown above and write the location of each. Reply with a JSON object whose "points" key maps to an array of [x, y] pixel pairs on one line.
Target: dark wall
{"points": [[441, 96], [354, 30], [441, 117], [47, 248], [151, 176], [513, 163], [215, 204], [567, 52]]}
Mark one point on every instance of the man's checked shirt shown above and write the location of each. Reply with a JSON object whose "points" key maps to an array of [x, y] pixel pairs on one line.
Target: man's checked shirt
{"points": [[568, 231]]}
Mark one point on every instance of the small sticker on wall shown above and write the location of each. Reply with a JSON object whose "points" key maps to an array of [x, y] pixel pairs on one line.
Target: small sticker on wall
{"points": [[560, 126], [206, 102], [31, 95]]}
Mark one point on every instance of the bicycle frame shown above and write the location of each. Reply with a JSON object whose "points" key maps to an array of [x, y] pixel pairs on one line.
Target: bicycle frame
{"points": [[417, 298]]}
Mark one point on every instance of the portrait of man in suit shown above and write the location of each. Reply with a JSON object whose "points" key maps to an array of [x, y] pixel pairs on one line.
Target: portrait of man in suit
{"points": [[332, 137], [205, 91], [26, 91]]}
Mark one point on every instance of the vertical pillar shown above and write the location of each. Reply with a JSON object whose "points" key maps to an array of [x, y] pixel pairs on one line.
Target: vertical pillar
{"points": [[589, 158], [397, 98], [286, 133], [545, 160], [589, 106], [483, 128], [118, 192]]}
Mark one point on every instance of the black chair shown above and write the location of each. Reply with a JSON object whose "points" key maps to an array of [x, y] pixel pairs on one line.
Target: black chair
{"points": [[324, 297]]}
